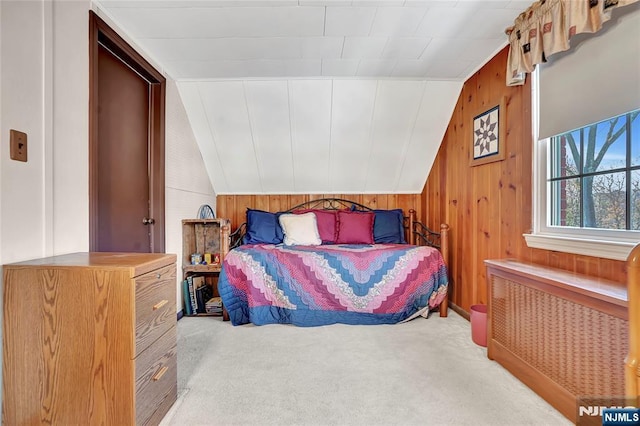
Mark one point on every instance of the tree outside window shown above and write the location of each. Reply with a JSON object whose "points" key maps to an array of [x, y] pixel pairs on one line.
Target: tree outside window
{"points": [[595, 175]]}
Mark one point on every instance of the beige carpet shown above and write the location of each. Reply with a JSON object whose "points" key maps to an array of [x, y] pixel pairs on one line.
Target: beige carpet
{"points": [[424, 372]]}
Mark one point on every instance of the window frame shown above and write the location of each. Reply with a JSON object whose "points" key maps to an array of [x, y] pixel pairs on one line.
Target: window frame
{"points": [[604, 243]]}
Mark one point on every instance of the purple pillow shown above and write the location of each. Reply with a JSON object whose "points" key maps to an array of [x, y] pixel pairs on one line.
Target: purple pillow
{"points": [[327, 221], [355, 227]]}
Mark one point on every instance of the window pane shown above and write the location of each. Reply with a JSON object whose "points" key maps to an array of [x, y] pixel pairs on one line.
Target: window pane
{"points": [[605, 202], [565, 154], [635, 200], [605, 145], [565, 202], [635, 138]]}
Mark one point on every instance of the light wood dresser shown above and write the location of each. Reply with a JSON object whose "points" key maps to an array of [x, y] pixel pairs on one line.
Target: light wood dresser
{"points": [[89, 338]]}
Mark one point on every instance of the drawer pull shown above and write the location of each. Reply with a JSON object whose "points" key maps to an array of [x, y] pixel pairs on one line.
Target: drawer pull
{"points": [[160, 304], [160, 373], [158, 276]]}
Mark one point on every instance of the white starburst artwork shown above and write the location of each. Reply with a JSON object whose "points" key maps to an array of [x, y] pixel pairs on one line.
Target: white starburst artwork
{"points": [[485, 133]]}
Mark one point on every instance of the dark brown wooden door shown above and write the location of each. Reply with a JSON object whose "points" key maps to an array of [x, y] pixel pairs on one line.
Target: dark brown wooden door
{"points": [[126, 146], [123, 157]]}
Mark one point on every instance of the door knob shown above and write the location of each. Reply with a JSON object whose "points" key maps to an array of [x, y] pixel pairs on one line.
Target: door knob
{"points": [[148, 221]]}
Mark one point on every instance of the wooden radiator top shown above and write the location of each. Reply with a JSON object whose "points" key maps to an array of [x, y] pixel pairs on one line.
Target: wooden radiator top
{"points": [[597, 288]]}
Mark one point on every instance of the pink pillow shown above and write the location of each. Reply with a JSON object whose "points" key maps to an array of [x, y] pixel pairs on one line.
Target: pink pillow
{"points": [[327, 224], [355, 227]]}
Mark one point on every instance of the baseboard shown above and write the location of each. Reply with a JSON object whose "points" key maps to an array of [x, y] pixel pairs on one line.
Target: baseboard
{"points": [[458, 310]]}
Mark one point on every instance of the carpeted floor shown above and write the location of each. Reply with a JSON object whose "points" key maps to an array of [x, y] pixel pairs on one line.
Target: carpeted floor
{"points": [[424, 372]]}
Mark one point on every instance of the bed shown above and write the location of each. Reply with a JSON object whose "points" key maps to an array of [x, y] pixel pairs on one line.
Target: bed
{"points": [[333, 261]]}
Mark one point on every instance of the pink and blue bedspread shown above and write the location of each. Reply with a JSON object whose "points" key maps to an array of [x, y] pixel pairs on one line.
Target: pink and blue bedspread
{"points": [[320, 285]]}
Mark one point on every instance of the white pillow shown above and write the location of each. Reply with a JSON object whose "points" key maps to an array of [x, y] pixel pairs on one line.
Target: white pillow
{"points": [[300, 229]]}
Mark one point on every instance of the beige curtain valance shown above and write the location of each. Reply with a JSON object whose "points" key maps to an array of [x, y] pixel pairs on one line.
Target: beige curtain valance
{"points": [[546, 27]]}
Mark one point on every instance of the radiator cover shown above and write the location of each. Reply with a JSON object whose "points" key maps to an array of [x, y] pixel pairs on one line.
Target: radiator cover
{"points": [[562, 334]]}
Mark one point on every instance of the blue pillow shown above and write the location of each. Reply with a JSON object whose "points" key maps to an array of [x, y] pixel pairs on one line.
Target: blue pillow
{"points": [[388, 227], [262, 228]]}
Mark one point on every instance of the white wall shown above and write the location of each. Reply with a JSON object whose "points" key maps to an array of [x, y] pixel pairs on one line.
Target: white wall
{"points": [[22, 188], [44, 91], [187, 183]]}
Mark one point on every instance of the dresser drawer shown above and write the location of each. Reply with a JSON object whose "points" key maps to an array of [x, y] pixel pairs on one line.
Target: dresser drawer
{"points": [[156, 378], [155, 306]]}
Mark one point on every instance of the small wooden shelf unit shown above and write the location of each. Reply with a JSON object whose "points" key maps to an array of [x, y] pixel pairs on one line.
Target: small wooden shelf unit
{"points": [[205, 236]]}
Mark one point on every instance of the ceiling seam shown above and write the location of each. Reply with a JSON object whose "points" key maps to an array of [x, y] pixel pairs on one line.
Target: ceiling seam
{"points": [[291, 142], [371, 126], [330, 138], [213, 136], [253, 140], [324, 23], [373, 20], [410, 138]]}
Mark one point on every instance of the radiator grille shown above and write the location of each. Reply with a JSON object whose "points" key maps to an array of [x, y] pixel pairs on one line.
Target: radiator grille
{"points": [[580, 348]]}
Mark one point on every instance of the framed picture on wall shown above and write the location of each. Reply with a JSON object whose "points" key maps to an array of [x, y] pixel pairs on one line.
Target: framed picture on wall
{"points": [[488, 138]]}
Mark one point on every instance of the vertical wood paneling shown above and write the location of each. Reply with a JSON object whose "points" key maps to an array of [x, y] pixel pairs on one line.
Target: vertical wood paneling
{"points": [[489, 207], [233, 207]]}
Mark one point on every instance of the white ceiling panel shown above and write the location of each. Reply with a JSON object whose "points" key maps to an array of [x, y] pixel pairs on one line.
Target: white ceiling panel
{"points": [[349, 21], [397, 21], [375, 68], [459, 49], [319, 136], [221, 22], [397, 105], [303, 68], [340, 67], [227, 49], [316, 96], [225, 105], [377, 3], [191, 97], [310, 103], [438, 100], [352, 113], [405, 47], [209, 69], [197, 3], [445, 69], [363, 47], [439, 22], [321, 47], [268, 107]]}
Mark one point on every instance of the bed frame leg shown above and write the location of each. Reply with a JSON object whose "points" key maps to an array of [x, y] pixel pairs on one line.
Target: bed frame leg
{"points": [[444, 308]]}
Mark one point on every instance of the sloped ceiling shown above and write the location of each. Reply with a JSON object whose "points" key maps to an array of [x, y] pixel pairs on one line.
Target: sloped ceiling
{"points": [[317, 96], [319, 136]]}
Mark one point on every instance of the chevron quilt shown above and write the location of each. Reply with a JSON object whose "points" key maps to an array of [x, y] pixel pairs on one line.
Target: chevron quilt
{"points": [[320, 285]]}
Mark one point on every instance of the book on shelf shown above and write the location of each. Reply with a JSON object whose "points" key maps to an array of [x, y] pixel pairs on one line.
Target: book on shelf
{"points": [[203, 293], [214, 305], [192, 294], [187, 297]]}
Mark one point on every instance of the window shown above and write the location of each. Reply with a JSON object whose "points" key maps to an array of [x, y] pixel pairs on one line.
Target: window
{"points": [[594, 178], [587, 189]]}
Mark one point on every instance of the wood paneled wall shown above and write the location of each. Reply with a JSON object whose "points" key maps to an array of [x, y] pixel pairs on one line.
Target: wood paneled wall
{"points": [[489, 207], [234, 207]]}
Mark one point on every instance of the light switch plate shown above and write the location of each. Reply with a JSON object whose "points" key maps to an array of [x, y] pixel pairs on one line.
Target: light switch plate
{"points": [[18, 143]]}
